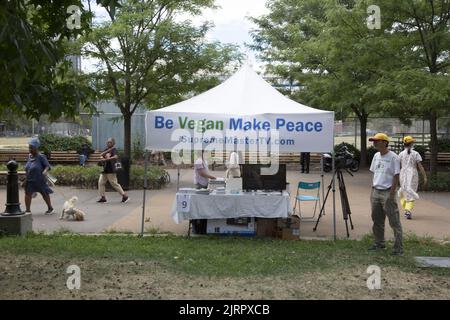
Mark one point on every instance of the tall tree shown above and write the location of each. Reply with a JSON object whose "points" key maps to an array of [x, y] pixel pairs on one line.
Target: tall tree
{"points": [[146, 56], [344, 65], [34, 75], [328, 48], [423, 82]]}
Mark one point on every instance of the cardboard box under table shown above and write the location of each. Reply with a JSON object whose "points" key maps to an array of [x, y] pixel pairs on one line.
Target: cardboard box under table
{"points": [[238, 226], [288, 228], [282, 228]]}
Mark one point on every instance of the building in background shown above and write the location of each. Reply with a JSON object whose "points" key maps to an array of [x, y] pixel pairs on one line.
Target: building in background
{"points": [[109, 123]]}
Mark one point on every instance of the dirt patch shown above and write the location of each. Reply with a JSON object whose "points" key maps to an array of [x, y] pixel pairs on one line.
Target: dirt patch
{"points": [[24, 277]]}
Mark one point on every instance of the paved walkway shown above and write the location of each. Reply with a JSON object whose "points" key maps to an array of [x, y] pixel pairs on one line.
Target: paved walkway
{"points": [[431, 215], [98, 216]]}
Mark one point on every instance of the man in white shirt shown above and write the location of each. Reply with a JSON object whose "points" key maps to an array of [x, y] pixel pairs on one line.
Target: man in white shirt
{"points": [[386, 170]]}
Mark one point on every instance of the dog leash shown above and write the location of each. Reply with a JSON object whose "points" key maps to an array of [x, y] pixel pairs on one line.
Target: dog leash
{"points": [[57, 189]]}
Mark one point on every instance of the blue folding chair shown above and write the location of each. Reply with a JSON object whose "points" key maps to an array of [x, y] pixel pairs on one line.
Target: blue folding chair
{"points": [[311, 186]]}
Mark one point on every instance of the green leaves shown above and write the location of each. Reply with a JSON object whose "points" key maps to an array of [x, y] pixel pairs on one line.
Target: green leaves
{"points": [[343, 65], [147, 58], [51, 142], [35, 81]]}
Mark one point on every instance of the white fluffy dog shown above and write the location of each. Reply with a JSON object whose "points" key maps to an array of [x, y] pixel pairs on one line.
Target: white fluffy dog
{"points": [[69, 210]]}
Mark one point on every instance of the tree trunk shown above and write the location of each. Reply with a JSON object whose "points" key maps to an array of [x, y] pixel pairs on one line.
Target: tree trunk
{"points": [[126, 160], [363, 127], [127, 135], [433, 132]]}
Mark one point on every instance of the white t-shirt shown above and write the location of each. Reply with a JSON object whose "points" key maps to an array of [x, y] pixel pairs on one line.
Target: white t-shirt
{"points": [[384, 169], [199, 165]]}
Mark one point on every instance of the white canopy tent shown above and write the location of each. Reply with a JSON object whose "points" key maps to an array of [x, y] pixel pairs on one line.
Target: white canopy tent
{"points": [[243, 106], [244, 113]]}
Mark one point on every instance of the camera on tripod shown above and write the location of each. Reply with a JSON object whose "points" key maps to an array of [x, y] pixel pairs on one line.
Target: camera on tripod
{"points": [[344, 160]]}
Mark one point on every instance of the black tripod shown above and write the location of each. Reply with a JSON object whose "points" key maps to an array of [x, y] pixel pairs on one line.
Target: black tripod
{"points": [[344, 200]]}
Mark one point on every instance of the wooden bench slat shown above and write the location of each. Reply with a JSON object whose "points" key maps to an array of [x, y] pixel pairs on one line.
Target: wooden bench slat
{"points": [[55, 156]]}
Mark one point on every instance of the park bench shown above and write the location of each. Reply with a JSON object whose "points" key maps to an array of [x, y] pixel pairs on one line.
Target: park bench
{"points": [[56, 157], [220, 157], [18, 155], [443, 159], [71, 157]]}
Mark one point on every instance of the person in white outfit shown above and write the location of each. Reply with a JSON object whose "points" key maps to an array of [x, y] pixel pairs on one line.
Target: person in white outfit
{"points": [[411, 162]]}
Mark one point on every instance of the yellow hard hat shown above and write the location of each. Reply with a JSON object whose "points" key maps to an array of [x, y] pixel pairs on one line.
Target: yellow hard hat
{"points": [[408, 139], [379, 136]]}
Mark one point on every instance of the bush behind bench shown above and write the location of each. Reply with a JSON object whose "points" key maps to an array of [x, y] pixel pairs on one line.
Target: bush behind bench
{"points": [[87, 177]]}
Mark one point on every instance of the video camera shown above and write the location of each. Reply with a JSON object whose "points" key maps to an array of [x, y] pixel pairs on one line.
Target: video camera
{"points": [[345, 159]]}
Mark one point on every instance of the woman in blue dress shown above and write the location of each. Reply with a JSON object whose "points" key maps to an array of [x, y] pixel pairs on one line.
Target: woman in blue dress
{"points": [[36, 176]]}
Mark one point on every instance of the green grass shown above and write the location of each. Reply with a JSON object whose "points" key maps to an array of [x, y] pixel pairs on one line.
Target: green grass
{"points": [[226, 256]]}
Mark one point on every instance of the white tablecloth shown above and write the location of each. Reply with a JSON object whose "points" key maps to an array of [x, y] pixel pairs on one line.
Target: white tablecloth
{"points": [[223, 206]]}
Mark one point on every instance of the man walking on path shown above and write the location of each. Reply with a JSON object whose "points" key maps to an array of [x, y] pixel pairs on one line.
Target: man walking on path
{"points": [[386, 169]]}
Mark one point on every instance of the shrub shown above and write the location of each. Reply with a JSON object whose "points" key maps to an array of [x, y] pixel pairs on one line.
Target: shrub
{"points": [[350, 148], [168, 155], [77, 176], [421, 150], [138, 148], [51, 142], [87, 177], [443, 145], [439, 183], [157, 177]]}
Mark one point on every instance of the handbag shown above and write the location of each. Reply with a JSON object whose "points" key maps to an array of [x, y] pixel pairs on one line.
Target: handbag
{"points": [[118, 165]]}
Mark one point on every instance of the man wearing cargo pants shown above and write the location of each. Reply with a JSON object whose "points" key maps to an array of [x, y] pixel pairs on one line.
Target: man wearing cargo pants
{"points": [[386, 169]]}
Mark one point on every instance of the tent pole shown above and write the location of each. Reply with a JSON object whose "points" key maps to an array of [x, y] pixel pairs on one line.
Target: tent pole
{"points": [[334, 197], [178, 177], [144, 193], [321, 176]]}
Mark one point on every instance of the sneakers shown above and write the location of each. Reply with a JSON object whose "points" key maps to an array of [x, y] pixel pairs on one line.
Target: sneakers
{"points": [[408, 215], [376, 247], [50, 211], [125, 199], [102, 200]]}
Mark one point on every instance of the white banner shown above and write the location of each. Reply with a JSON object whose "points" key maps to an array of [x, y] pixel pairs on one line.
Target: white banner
{"points": [[166, 131]]}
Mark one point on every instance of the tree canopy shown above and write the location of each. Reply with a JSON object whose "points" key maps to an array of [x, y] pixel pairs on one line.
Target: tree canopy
{"points": [[36, 79], [342, 64], [147, 58]]}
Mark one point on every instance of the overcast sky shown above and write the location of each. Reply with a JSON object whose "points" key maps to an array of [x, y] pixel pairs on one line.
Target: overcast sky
{"points": [[230, 24]]}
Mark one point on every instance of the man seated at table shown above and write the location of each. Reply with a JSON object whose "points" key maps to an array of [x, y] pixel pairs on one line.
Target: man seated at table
{"points": [[201, 172]]}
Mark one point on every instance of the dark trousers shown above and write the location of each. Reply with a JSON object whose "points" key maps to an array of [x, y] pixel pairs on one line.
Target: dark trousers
{"points": [[304, 161], [199, 225]]}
